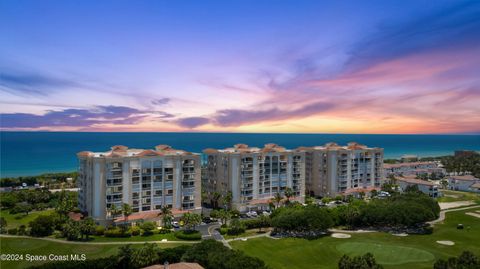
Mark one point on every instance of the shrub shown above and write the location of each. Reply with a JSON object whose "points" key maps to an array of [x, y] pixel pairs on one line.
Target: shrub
{"points": [[42, 226], [117, 232], [260, 222], [135, 230], [57, 234], [236, 227], [428, 230], [99, 230], [148, 227], [223, 230], [366, 261], [22, 230], [13, 231], [188, 235], [164, 231]]}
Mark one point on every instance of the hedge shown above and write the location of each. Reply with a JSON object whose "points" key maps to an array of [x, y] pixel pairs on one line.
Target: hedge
{"points": [[188, 235]]}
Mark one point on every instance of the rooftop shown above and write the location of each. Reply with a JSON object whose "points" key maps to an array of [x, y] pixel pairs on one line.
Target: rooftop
{"points": [[123, 151], [413, 180], [243, 148], [397, 165], [464, 177], [335, 146]]}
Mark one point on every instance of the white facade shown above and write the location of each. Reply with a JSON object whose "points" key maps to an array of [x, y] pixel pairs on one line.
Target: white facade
{"points": [[462, 183], [426, 187], [145, 179], [254, 175], [413, 168], [337, 170]]}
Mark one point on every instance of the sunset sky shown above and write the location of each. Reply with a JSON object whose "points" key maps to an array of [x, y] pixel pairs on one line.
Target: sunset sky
{"points": [[241, 66]]}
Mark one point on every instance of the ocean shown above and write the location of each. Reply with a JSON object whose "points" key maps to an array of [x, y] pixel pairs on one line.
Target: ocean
{"points": [[32, 153]]}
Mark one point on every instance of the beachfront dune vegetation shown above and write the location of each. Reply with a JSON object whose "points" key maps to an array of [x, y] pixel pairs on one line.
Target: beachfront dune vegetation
{"points": [[48, 180]]}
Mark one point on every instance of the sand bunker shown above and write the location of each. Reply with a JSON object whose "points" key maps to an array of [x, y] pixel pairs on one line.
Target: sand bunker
{"points": [[446, 243], [339, 235], [473, 214], [400, 234], [448, 205]]}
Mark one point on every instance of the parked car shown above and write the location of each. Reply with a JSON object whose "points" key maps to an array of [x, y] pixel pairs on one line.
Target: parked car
{"points": [[175, 224], [207, 220], [252, 214]]}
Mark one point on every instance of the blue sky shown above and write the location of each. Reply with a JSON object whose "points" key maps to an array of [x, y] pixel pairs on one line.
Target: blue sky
{"points": [[248, 66]]}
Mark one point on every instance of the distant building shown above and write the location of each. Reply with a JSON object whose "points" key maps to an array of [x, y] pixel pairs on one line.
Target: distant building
{"points": [[462, 183], [424, 186], [254, 175], [145, 179], [413, 168], [409, 158], [475, 187], [464, 153], [341, 170]]}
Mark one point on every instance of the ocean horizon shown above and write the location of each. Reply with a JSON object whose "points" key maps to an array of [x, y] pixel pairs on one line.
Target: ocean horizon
{"points": [[33, 153]]}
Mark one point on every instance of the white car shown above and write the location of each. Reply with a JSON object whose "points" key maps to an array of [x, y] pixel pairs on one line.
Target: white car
{"points": [[252, 214]]}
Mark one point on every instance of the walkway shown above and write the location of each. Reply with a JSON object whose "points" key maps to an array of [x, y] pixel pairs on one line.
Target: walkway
{"points": [[442, 213]]}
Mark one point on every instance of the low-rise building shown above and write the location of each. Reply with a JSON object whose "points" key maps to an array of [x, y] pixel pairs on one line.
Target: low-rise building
{"points": [[254, 175], [414, 168], [147, 180], [462, 183], [424, 186]]}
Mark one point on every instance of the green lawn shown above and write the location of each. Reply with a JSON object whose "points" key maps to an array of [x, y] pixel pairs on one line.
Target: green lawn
{"points": [[250, 232], [41, 247], [15, 220], [454, 196], [413, 251]]}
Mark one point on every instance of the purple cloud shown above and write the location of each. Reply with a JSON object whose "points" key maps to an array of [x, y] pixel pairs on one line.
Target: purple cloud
{"points": [[74, 117], [232, 117], [32, 83], [161, 101], [229, 117], [192, 122]]}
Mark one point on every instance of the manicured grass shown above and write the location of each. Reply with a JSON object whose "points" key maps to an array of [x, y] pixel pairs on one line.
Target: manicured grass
{"points": [[454, 196], [386, 254], [15, 220], [41, 247], [413, 251], [250, 232]]}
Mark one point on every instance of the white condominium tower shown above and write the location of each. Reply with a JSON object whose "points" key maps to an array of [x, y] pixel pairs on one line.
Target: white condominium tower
{"points": [[254, 175], [144, 179], [339, 170]]}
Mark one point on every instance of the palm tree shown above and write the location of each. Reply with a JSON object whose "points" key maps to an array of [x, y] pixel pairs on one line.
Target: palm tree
{"points": [[166, 216], [227, 199], [288, 193], [114, 211], [215, 197], [277, 198], [191, 220], [126, 211], [224, 216]]}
